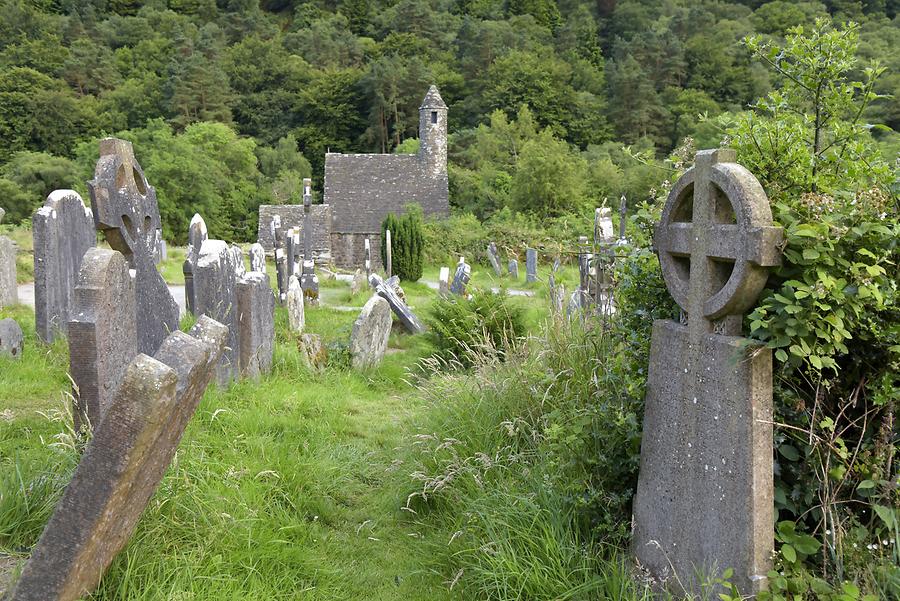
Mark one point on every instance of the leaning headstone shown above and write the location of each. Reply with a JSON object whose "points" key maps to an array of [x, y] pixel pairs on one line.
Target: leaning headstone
{"points": [[513, 269], [125, 209], [704, 499], [444, 281], [102, 340], [461, 278], [531, 261], [256, 320], [121, 467], [215, 281], [197, 235], [312, 351], [403, 312], [371, 330], [394, 283], [12, 341], [295, 306], [258, 258], [9, 290], [494, 258], [62, 230]]}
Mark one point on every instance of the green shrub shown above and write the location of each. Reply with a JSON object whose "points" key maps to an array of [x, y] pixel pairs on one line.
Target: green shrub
{"points": [[407, 244], [486, 323]]}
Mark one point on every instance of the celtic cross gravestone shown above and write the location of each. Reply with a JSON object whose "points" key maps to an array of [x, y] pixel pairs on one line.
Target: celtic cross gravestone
{"points": [[704, 498]]}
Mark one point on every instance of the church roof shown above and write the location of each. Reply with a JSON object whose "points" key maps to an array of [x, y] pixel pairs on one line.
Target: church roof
{"points": [[433, 99]]}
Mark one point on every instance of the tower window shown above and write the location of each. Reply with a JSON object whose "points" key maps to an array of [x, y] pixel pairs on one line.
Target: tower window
{"points": [[434, 116]]}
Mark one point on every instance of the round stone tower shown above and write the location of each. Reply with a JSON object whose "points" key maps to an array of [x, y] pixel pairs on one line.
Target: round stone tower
{"points": [[433, 134]]}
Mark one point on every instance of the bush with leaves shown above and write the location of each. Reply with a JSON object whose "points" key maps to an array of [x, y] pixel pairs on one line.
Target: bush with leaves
{"points": [[407, 244]]}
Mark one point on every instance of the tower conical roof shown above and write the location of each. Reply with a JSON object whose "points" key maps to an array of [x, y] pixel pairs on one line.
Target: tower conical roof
{"points": [[433, 99]]}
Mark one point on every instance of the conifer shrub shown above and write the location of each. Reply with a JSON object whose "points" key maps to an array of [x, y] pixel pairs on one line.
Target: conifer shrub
{"points": [[407, 244]]}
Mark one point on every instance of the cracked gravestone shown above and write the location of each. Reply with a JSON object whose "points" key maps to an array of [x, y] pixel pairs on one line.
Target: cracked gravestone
{"points": [[122, 466], [371, 330], [704, 500], [531, 262], [461, 278], [256, 320], [494, 258], [400, 308], [102, 339], [257, 258], [215, 282], [62, 230], [12, 341], [197, 235], [125, 210]]}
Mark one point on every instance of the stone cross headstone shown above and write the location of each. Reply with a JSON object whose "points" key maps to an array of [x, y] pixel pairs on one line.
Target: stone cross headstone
{"points": [[282, 268], [62, 230], [444, 281], [368, 258], [371, 330], [257, 258], [215, 282], [256, 321], [125, 210], [307, 220], [102, 339], [604, 240], [12, 341], [704, 500], [309, 281], [494, 258], [9, 289], [122, 466], [531, 260], [400, 308], [461, 278], [295, 306], [387, 252], [197, 235], [513, 269]]}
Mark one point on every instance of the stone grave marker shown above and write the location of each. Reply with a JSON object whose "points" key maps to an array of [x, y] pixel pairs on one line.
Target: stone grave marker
{"points": [[102, 339], [257, 258], [62, 230], [125, 210], [197, 235], [237, 258], [368, 258], [215, 283], [623, 213], [309, 281], [9, 289], [394, 283], [389, 271], [122, 465], [403, 312], [256, 320], [444, 281], [513, 269], [282, 268], [312, 352], [295, 306], [704, 500], [371, 330], [531, 261], [12, 340], [359, 283], [461, 278], [494, 258]]}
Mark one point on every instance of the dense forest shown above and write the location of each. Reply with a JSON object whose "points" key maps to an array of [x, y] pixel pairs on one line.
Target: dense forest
{"points": [[554, 106]]}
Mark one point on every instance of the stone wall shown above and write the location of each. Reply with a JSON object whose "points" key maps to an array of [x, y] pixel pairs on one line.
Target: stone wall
{"points": [[349, 250], [292, 216]]}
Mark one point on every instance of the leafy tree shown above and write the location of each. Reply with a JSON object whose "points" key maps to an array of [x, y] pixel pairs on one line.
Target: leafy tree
{"points": [[549, 179], [30, 176]]}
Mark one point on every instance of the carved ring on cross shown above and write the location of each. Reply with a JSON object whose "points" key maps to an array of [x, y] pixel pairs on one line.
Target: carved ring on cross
{"points": [[717, 211]]}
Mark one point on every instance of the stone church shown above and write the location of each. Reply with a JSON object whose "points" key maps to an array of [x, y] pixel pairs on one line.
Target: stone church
{"points": [[361, 189]]}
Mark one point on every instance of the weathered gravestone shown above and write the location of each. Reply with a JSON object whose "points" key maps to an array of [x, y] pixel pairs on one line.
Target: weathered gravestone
{"points": [[295, 306], [312, 352], [122, 466], [513, 269], [215, 287], [258, 258], [125, 209], [388, 247], [531, 260], [604, 241], [309, 281], [282, 271], [197, 235], [9, 290], [705, 494], [371, 330], [403, 312], [368, 258], [62, 230], [494, 258], [12, 341], [359, 283], [102, 340], [461, 278], [444, 281], [623, 214], [394, 283], [256, 320]]}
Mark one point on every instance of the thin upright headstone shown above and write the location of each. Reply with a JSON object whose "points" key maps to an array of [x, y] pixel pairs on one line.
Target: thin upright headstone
{"points": [[282, 269], [444, 281], [295, 306], [704, 500], [461, 278], [125, 210], [215, 282], [494, 258], [256, 321], [604, 239], [102, 339], [513, 269], [368, 258], [62, 230], [387, 252], [307, 220], [623, 214], [122, 466], [257, 258], [531, 259], [197, 235], [9, 289]]}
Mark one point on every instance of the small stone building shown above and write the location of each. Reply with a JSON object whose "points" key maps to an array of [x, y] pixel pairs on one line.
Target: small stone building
{"points": [[292, 216]]}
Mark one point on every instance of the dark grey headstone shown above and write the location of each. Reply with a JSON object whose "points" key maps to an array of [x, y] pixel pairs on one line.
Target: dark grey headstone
{"points": [[461, 278], [9, 290], [12, 341], [531, 261], [215, 288], [309, 281], [121, 467], [513, 269], [102, 339], [403, 312], [63, 230], [256, 320], [282, 267], [125, 210], [494, 258]]}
